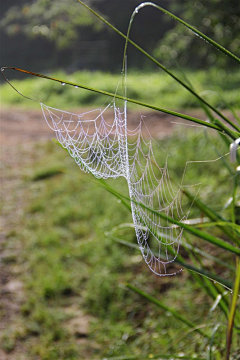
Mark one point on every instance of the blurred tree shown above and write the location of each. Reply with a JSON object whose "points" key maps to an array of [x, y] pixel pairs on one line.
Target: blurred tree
{"points": [[59, 21], [219, 19], [63, 34], [72, 36]]}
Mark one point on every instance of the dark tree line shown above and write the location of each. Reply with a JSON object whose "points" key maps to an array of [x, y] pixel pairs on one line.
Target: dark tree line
{"points": [[50, 34]]}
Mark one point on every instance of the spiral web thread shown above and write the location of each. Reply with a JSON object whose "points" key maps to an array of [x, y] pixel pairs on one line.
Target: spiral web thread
{"points": [[109, 149]]}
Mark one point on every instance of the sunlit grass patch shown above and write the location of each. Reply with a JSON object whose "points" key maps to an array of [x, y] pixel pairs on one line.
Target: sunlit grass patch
{"points": [[220, 88]]}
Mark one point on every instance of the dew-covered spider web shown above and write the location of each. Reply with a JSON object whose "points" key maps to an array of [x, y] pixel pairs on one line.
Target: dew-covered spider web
{"points": [[105, 143], [110, 149]]}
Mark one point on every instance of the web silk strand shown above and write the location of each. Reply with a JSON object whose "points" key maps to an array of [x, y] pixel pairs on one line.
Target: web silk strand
{"points": [[108, 149]]}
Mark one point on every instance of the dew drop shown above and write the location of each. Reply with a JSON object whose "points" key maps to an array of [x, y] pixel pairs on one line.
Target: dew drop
{"points": [[76, 87], [63, 84], [119, 201]]}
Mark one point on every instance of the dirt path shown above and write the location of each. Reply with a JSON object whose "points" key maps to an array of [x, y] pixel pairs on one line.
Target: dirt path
{"points": [[21, 126]]}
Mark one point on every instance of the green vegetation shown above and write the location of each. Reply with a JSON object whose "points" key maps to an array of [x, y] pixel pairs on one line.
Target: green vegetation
{"points": [[73, 267], [217, 19], [79, 261], [60, 33], [218, 87]]}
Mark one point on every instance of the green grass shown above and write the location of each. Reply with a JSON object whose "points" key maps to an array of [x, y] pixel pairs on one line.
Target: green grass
{"points": [[156, 88], [74, 262], [69, 264]]}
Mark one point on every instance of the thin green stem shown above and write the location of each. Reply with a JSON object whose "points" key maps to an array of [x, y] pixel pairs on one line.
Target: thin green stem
{"points": [[233, 309], [201, 234], [180, 261], [166, 308], [116, 96], [226, 129], [225, 225], [157, 62], [199, 33], [236, 183]]}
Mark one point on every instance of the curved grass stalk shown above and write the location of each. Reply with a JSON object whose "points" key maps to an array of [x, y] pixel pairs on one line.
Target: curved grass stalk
{"points": [[234, 194], [217, 219], [186, 245], [201, 234], [233, 310], [128, 40], [189, 88], [192, 230], [227, 104], [210, 287], [192, 28], [180, 261], [167, 308], [211, 118], [220, 224], [232, 134], [208, 256]]}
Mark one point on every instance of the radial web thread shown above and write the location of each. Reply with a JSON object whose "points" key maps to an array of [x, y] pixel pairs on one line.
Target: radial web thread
{"points": [[110, 149]]}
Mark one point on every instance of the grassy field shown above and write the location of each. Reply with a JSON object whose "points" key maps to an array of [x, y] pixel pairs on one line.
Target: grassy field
{"points": [[219, 87], [76, 304]]}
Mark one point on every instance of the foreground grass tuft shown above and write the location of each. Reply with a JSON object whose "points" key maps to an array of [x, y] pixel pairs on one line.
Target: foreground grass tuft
{"points": [[72, 269]]}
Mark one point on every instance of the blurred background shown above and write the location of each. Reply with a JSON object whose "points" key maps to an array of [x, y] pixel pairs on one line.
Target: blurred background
{"points": [[66, 40], [46, 35]]}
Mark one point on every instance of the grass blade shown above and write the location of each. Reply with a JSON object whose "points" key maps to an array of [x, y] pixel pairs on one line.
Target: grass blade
{"points": [[210, 288], [201, 234], [154, 60], [180, 261], [193, 29], [233, 309], [166, 308], [233, 135], [234, 194], [214, 216], [208, 256]]}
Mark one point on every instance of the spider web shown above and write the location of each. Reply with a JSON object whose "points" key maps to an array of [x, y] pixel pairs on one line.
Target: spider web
{"points": [[95, 144], [110, 149]]}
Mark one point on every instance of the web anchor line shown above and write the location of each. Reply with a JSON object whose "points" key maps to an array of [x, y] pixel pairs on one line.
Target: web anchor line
{"points": [[109, 149]]}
